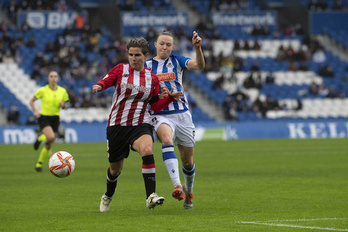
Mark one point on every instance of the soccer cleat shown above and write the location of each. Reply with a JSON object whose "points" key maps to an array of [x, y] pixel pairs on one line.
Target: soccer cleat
{"points": [[154, 200], [105, 203], [178, 193], [37, 144], [39, 169], [188, 200]]}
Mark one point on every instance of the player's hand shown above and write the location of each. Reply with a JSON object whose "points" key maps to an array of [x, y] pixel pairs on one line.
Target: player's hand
{"points": [[164, 91], [177, 96], [37, 114], [96, 89], [196, 40], [62, 105]]}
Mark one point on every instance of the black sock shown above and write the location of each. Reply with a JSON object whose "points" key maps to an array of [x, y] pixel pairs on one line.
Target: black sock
{"points": [[111, 182], [149, 170]]}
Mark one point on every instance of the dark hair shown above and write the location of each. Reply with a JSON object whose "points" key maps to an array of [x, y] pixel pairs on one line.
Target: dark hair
{"points": [[165, 32], [139, 42]]}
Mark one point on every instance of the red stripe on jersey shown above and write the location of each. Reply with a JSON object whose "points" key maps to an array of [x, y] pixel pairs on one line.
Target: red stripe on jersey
{"points": [[143, 83], [136, 100], [128, 92]]}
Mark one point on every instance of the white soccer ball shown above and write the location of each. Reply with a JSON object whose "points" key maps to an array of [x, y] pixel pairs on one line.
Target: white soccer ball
{"points": [[61, 164]]}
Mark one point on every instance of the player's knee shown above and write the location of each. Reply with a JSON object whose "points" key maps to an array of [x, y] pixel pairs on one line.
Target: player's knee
{"points": [[166, 139], [188, 164], [50, 138], [115, 171], [147, 150]]}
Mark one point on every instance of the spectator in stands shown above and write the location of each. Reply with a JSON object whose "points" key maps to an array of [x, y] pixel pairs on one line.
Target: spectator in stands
{"points": [[313, 88], [292, 66], [240, 98], [257, 30], [299, 104], [303, 66], [62, 6], [80, 20], [255, 66], [219, 81], [281, 54], [237, 63], [256, 45], [319, 56], [313, 5], [31, 120], [323, 90], [338, 5], [246, 45], [230, 109], [36, 74], [13, 115], [326, 71], [53, 97], [343, 85], [270, 78], [31, 42], [322, 5], [236, 45], [249, 82], [331, 93], [12, 9]]}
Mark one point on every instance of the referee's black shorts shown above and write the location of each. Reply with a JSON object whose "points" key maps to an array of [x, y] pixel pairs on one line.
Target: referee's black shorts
{"points": [[120, 138], [52, 121]]}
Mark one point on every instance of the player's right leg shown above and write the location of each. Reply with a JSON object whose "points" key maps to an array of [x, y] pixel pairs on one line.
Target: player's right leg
{"points": [[111, 182], [165, 135], [50, 136]]}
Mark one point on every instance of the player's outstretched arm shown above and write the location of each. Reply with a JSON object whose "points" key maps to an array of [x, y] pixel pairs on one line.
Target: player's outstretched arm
{"points": [[199, 62], [96, 89]]}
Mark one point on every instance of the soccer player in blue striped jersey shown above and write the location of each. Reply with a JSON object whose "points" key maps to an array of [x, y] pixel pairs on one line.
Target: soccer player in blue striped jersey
{"points": [[173, 125]]}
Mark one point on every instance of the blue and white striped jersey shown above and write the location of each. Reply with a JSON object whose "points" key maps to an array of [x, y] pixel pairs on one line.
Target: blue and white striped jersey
{"points": [[170, 73]]}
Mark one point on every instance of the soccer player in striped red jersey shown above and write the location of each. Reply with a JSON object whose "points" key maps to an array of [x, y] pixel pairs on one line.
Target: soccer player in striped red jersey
{"points": [[174, 123], [129, 126]]}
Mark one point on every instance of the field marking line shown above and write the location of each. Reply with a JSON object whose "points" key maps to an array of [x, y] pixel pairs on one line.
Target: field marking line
{"points": [[267, 223]]}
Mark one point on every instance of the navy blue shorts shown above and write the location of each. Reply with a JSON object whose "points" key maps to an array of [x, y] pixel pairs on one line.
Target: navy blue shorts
{"points": [[121, 138]]}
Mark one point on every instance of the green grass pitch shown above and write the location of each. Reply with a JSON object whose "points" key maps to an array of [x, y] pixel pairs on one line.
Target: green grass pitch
{"points": [[243, 185]]}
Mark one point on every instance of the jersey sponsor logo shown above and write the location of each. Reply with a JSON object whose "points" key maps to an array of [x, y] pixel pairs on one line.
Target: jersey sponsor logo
{"points": [[136, 87], [166, 76]]}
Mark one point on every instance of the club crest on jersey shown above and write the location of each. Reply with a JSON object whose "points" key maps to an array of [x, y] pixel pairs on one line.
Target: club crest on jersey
{"points": [[169, 65], [148, 79]]}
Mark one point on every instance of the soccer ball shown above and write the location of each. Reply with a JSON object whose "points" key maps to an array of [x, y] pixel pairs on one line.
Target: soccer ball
{"points": [[61, 164]]}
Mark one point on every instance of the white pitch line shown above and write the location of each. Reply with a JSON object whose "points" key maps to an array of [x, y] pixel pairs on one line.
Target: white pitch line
{"points": [[297, 226], [304, 220]]}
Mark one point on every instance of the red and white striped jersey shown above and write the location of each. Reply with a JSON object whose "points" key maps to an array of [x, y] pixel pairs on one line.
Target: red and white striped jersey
{"points": [[133, 91]]}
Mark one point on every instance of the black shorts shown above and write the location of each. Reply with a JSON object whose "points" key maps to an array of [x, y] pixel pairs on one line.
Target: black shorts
{"points": [[119, 138], [52, 121]]}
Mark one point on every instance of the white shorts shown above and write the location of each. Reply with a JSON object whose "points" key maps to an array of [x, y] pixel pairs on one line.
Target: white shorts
{"points": [[182, 127]]}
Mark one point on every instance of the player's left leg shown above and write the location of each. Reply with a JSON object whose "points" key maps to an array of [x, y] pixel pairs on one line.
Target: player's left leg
{"points": [[144, 145], [185, 139], [50, 136], [188, 168]]}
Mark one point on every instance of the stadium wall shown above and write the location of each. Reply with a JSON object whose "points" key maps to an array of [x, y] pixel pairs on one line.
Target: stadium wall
{"points": [[207, 131]]}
